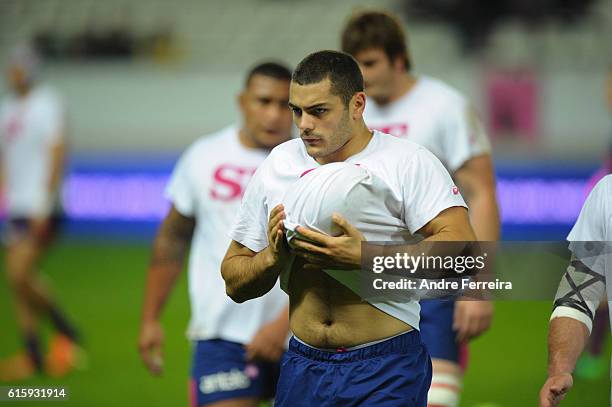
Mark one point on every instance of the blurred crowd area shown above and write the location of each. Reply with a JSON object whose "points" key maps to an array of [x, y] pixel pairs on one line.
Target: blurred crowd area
{"points": [[121, 63]]}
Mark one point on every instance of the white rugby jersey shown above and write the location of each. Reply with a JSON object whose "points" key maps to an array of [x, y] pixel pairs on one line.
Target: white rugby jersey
{"points": [[436, 116], [208, 183], [595, 220], [29, 127], [416, 186]]}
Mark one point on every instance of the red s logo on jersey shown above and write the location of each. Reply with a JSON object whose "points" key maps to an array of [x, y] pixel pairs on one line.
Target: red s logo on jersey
{"points": [[13, 128], [230, 182], [399, 130]]}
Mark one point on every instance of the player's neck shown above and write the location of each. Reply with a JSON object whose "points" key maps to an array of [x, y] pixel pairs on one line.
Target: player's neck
{"points": [[360, 140], [404, 84], [248, 141], [22, 91]]}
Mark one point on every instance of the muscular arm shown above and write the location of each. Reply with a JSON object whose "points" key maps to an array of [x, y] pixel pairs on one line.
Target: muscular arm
{"points": [[248, 274], [476, 179], [169, 250], [576, 301], [58, 154], [40, 225], [567, 338], [452, 224]]}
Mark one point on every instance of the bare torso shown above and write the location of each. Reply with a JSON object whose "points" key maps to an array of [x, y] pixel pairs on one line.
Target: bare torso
{"points": [[326, 314]]}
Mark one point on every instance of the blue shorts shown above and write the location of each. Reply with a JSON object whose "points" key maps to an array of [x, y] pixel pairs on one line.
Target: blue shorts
{"points": [[19, 228], [396, 372], [436, 328], [220, 372]]}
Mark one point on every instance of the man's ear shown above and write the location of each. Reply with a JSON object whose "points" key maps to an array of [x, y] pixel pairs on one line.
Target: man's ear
{"points": [[399, 63], [358, 102]]}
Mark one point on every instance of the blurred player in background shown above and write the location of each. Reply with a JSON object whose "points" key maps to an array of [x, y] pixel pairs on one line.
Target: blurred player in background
{"points": [[32, 125], [429, 112], [236, 347], [579, 294]]}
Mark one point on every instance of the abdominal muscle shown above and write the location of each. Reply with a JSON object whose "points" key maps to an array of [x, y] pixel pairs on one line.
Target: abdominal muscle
{"points": [[326, 314]]}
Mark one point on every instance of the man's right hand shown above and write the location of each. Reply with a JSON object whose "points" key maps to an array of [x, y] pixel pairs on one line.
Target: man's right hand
{"points": [[555, 389], [150, 346], [277, 249]]}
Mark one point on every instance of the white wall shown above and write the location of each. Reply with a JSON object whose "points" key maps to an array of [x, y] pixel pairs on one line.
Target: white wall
{"points": [[145, 108], [113, 108]]}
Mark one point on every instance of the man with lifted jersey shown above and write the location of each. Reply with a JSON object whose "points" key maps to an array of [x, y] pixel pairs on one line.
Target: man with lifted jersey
{"points": [[346, 351]]}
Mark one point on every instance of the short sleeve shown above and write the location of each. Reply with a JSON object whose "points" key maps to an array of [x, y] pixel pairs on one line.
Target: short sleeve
{"points": [[251, 225], [463, 135], [180, 190], [591, 222], [427, 190], [588, 238]]}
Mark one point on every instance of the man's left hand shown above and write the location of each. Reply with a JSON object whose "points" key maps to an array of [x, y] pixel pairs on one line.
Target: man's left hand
{"points": [[324, 251], [268, 344], [472, 318]]}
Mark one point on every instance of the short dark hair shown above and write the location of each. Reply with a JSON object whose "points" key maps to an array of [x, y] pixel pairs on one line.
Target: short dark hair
{"points": [[270, 69], [376, 29], [341, 69]]}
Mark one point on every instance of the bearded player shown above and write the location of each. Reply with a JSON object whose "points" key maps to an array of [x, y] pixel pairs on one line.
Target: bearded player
{"points": [[431, 113], [236, 347]]}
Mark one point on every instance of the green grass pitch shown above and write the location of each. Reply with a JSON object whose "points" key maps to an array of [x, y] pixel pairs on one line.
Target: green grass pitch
{"points": [[101, 285]]}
